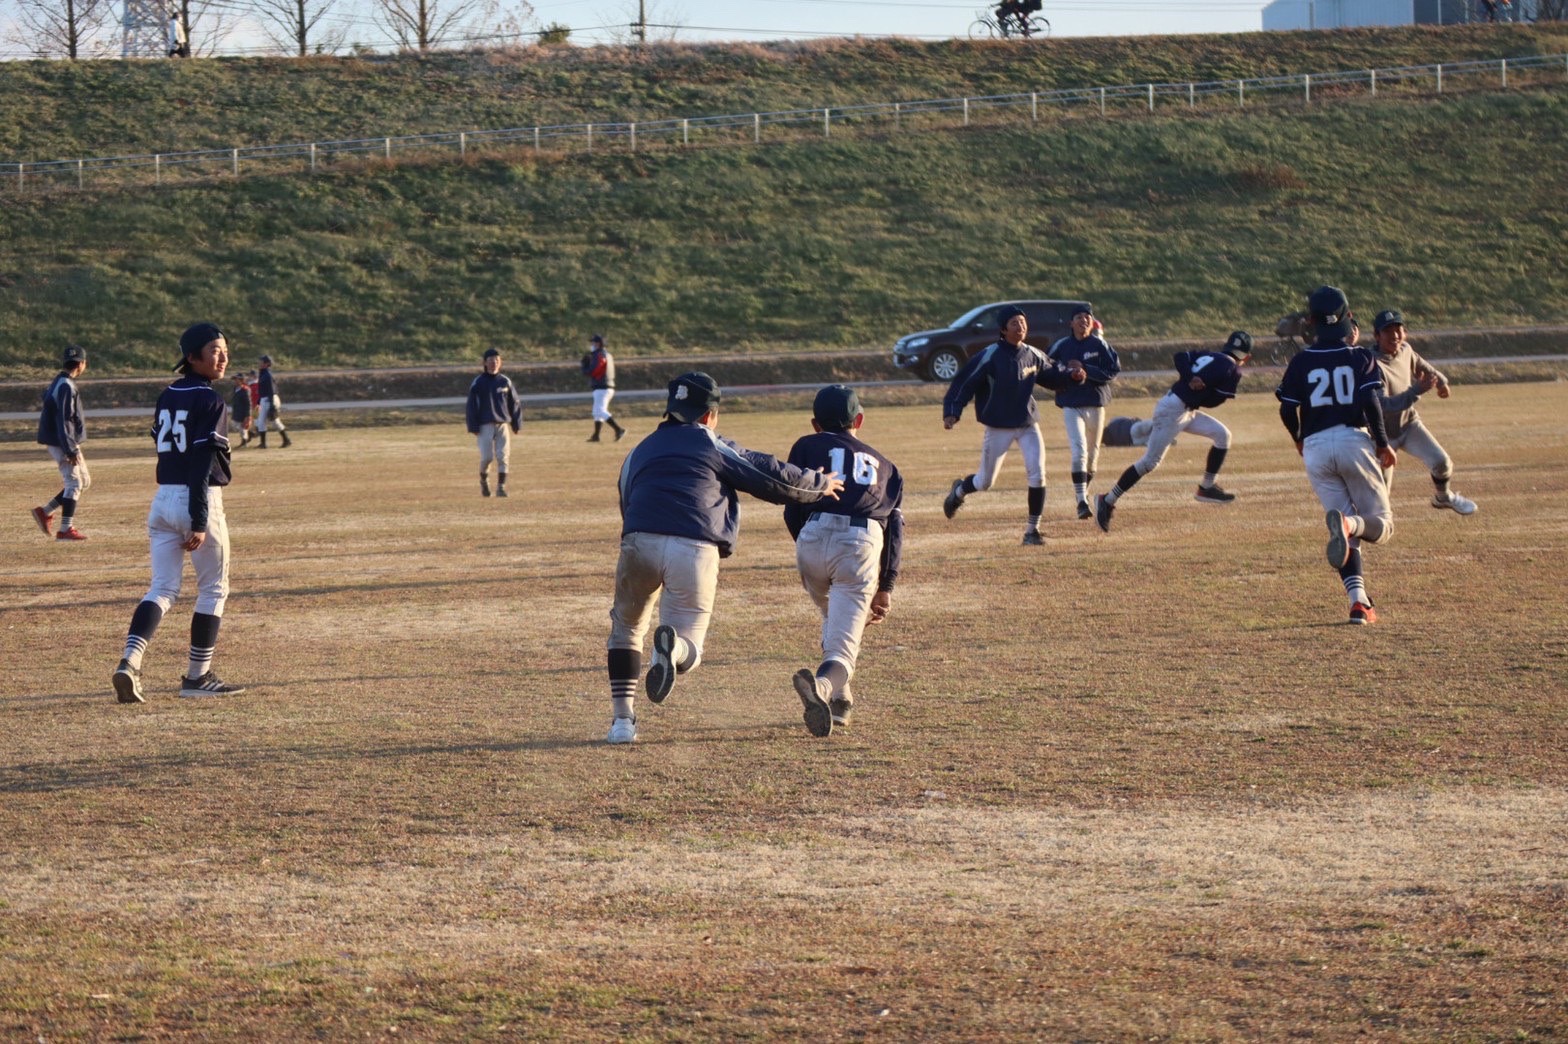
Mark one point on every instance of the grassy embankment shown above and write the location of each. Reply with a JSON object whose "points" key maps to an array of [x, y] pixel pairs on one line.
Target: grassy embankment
{"points": [[1176, 226]]}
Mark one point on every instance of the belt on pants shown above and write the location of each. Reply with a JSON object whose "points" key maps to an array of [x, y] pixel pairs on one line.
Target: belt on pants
{"points": [[852, 520]]}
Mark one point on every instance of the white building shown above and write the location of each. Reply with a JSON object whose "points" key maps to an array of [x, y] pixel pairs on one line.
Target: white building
{"points": [[1344, 14]]}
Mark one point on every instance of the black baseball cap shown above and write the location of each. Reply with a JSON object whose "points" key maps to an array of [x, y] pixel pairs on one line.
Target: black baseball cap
{"points": [[836, 407], [1239, 344], [1328, 304], [1083, 309], [492, 353], [691, 396], [266, 359], [1387, 317], [74, 353], [596, 339], [195, 338], [1007, 315]]}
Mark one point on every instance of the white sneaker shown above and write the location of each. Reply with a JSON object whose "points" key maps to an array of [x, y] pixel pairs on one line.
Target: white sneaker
{"points": [[1463, 505], [622, 730]]}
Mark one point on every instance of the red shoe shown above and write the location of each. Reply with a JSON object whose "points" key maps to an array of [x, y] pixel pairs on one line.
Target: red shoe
{"points": [[1361, 613], [70, 534], [44, 519]]}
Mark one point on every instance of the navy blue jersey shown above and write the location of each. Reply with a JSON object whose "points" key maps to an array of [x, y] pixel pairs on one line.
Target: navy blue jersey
{"points": [[492, 399], [682, 480], [264, 386], [191, 428], [1217, 370], [241, 403], [1100, 366], [60, 422], [873, 489], [1001, 380], [1331, 385]]}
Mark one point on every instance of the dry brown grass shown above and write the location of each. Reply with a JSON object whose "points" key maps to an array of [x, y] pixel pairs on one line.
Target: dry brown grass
{"points": [[1144, 785]]}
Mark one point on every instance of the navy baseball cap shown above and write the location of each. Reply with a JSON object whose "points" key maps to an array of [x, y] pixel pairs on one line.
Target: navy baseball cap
{"points": [[492, 353], [1007, 315], [266, 359], [596, 339], [74, 353], [1083, 309], [1328, 304], [1239, 344], [1387, 317], [691, 396], [195, 338], [836, 407]]}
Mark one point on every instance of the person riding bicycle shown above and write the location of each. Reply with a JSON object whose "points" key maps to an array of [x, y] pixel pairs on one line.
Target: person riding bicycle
{"points": [[1013, 15]]}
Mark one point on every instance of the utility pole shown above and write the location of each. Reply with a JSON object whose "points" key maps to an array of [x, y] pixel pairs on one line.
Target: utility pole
{"points": [[146, 27], [640, 30]]}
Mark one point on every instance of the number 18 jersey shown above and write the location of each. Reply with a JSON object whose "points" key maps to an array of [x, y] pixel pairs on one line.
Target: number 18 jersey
{"points": [[1332, 385], [191, 427]]}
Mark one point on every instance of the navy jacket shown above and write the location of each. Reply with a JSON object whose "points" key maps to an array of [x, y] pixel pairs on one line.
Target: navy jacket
{"points": [[1001, 379], [1100, 366], [873, 489], [492, 399], [60, 422], [682, 480], [1219, 373], [265, 388]]}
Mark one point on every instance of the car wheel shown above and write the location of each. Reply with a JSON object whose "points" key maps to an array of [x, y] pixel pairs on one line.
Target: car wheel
{"points": [[945, 363]]}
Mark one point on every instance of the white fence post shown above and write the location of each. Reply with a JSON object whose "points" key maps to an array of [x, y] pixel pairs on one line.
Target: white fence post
{"points": [[21, 178], [1440, 78], [313, 157], [1306, 87], [1034, 106], [462, 145], [157, 169], [966, 112], [536, 139], [1241, 93], [1102, 101], [634, 137], [756, 127], [685, 132], [590, 137], [1192, 95], [1372, 74], [1504, 65], [236, 163], [898, 118], [79, 179], [827, 123], [388, 142], [1151, 97]]}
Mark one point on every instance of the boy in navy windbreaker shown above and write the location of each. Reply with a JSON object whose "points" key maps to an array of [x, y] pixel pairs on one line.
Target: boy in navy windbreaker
{"points": [[62, 430], [1087, 365]]}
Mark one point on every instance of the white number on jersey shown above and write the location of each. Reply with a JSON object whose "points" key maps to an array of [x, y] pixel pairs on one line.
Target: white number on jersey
{"points": [[171, 426], [1201, 363], [1332, 387], [865, 473]]}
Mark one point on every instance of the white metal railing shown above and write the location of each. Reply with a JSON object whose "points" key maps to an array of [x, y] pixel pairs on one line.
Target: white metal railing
{"points": [[158, 168]]}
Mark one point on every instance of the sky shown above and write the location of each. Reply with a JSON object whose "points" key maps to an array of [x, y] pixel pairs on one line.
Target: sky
{"points": [[921, 19]]}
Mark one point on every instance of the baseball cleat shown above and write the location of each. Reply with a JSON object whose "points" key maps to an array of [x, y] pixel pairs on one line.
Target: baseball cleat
{"points": [[1084, 510], [1032, 538], [810, 689], [1362, 614], [620, 433], [661, 672], [484, 487], [500, 491], [45, 521], [1213, 495], [1463, 505], [954, 499], [127, 683], [622, 730], [208, 685], [841, 708], [1102, 512], [1338, 549], [70, 533]]}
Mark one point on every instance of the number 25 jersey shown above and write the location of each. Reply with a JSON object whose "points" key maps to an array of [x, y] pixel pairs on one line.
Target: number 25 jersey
{"points": [[191, 427]]}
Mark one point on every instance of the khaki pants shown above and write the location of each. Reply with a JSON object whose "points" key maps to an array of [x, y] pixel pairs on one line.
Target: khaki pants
{"points": [[74, 478], [686, 571], [495, 443], [839, 559]]}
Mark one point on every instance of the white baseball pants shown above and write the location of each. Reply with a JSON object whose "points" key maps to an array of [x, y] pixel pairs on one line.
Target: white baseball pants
{"points": [[269, 408], [687, 572], [1171, 418], [994, 447], [601, 403], [74, 478], [1085, 426], [840, 559], [495, 443], [168, 527], [1343, 469]]}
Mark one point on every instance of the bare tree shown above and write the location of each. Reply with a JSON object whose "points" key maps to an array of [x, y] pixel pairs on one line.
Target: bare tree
{"points": [[206, 25], [424, 25], [648, 21], [64, 28], [296, 25]]}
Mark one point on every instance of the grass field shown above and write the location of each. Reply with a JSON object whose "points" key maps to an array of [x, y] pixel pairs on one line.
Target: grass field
{"points": [[1144, 785]]}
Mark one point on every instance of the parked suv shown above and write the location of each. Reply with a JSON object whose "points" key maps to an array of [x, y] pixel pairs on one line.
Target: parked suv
{"points": [[938, 355]]}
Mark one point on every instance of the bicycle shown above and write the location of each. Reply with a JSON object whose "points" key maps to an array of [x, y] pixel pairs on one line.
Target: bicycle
{"points": [[989, 26]]}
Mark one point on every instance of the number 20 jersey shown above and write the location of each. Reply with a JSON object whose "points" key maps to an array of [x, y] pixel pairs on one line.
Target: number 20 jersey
{"points": [[1332, 385], [191, 427]]}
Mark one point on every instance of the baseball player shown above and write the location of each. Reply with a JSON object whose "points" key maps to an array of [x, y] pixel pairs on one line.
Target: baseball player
{"points": [[1203, 379], [240, 408], [191, 430], [679, 515], [269, 406], [62, 430], [847, 550], [599, 367], [495, 414], [1406, 376], [1087, 365], [1331, 403], [1001, 380]]}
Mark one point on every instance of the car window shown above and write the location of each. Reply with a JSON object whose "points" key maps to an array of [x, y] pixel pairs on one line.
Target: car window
{"points": [[985, 315]]}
